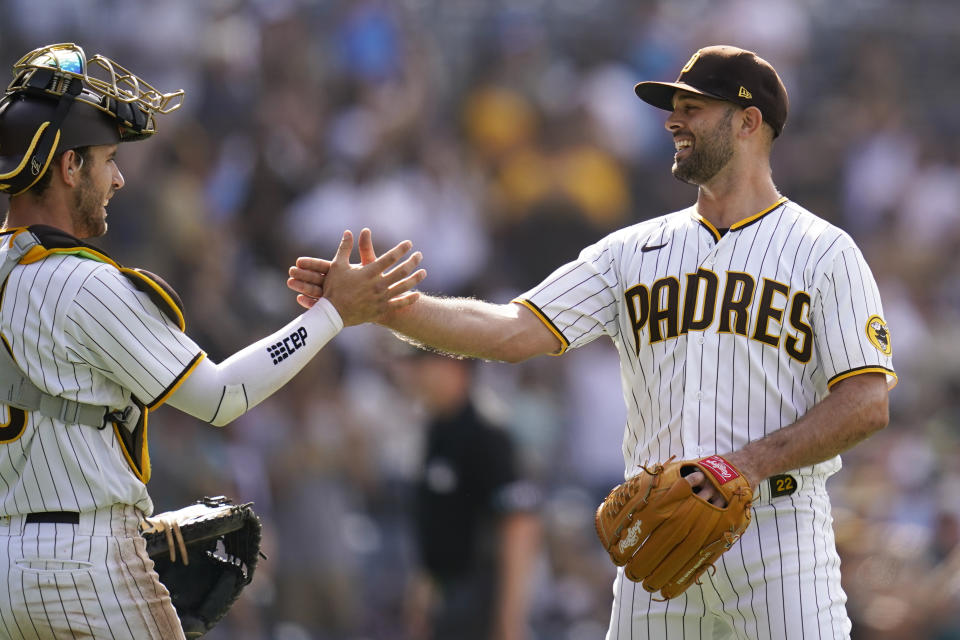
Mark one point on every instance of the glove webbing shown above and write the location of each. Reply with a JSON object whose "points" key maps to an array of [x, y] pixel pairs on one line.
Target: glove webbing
{"points": [[167, 523]]}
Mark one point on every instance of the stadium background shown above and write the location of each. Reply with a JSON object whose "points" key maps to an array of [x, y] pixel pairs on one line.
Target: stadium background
{"points": [[501, 137]]}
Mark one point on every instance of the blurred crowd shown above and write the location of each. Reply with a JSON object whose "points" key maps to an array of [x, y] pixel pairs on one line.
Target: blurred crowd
{"points": [[502, 137]]}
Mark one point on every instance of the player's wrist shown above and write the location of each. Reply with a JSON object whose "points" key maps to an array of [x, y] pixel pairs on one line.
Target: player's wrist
{"points": [[745, 467], [326, 307]]}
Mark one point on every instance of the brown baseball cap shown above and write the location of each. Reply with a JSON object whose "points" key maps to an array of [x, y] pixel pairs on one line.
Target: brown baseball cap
{"points": [[728, 73]]}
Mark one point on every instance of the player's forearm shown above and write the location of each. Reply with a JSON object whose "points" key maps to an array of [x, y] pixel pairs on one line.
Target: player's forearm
{"points": [[855, 409], [219, 393], [469, 327]]}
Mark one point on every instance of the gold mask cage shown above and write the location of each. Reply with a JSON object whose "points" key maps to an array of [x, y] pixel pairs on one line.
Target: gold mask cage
{"points": [[106, 85], [62, 74]]}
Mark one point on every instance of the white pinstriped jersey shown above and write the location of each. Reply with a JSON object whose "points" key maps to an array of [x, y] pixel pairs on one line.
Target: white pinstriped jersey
{"points": [[79, 329], [722, 339]]}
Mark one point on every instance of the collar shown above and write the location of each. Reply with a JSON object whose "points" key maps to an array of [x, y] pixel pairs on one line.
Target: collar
{"points": [[740, 224], [56, 241]]}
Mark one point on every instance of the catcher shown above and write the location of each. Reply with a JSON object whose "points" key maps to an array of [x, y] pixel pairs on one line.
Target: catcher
{"points": [[92, 347]]}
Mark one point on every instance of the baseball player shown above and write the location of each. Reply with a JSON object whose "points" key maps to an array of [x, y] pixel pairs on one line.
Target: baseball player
{"points": [[746, 326], [91, 347]]}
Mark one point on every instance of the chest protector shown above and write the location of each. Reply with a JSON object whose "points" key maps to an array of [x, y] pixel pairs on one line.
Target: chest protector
{"points": [[129, 423]]}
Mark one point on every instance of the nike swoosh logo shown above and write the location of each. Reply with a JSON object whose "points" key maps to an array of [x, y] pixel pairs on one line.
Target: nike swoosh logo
{"points": [[652, 247]]}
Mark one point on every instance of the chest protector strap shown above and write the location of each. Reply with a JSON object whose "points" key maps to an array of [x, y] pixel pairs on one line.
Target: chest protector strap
{"points": [[18, 391]]}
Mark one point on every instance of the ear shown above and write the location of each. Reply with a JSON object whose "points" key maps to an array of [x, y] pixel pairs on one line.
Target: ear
{"points": [[68, 166], [750, 121]]}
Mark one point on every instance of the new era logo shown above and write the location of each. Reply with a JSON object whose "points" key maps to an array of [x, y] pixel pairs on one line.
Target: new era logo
{"points": [[690, 63], [743, 93]]}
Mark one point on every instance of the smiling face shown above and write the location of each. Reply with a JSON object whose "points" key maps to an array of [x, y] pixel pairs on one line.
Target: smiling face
{"points": [[703, 136], [99, 178]]}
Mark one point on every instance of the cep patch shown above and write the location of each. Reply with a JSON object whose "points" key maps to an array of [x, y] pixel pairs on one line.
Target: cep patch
{"points": [[285, 348], [783, 485]]}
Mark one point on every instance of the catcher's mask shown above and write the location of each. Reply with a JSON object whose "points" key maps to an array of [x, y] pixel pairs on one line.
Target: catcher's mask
{"points": [[58, 100]]}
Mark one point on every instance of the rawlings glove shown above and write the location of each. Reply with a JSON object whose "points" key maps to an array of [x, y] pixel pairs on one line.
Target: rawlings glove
{"points": [[665, 535], [205, 554]]}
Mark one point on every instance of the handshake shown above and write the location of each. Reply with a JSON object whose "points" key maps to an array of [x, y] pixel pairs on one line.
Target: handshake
{"points": [[360, 293]]}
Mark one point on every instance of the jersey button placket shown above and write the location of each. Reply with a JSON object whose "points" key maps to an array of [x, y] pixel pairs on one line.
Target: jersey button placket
{"points": [[693, 395], [711, 257], [713, 253]]}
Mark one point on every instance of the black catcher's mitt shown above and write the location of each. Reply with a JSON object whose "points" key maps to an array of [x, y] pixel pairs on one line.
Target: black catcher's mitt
{"points": [[205, 554]]}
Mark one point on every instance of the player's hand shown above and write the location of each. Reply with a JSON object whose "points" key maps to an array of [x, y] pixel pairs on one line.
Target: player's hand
{"points": [[368, 255], [705, 489], [365, 245], [306, 278], [360, 293]]}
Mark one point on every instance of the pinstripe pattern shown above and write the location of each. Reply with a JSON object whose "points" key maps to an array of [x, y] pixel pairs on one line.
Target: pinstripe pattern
{"points": [[723, 340], [79, 329], [91, 580]]}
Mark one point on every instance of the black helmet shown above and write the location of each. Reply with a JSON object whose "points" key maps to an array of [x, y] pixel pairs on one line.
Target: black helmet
{"points": [[56, 103]]}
